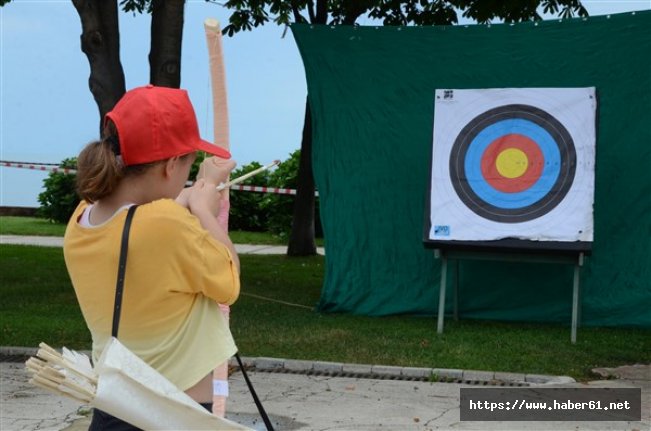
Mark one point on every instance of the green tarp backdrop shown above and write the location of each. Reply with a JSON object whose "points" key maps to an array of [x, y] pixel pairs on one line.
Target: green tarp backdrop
{"points": [[371, 92]]}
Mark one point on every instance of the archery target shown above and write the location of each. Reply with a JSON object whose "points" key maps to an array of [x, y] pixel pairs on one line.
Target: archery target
{"points": [[513, 163]]}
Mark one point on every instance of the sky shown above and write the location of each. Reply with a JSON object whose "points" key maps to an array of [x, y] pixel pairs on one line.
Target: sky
{"points": [[47, 112]]}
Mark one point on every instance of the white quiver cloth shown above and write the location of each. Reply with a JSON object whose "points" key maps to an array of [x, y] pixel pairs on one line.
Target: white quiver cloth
{"points": [[123, 385]]}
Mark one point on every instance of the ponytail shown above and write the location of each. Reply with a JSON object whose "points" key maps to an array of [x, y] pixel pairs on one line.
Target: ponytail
{"points": [[100, 167], [99, 170]]}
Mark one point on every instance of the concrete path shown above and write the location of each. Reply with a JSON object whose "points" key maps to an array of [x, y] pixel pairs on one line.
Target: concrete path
{"points": [[52, 241], [319, 402]]}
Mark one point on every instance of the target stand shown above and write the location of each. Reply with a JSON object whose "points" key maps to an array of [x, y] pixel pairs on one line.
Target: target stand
{"points": [[445, 255], [512, 179]]}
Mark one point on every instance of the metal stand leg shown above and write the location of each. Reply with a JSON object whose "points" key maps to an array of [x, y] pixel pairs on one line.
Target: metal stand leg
{"points": [[456, 290], [542, 258], [578, 311], [575, 298], [444, 270]]}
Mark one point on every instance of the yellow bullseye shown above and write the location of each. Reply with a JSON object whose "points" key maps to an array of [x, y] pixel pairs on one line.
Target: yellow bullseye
{"points": [[512, 163]]}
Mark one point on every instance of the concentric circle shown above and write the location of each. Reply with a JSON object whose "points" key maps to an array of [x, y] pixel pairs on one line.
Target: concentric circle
{"points": [[513, 163]]}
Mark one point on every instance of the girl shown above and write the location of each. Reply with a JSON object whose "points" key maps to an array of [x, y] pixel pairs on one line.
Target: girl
{"points": [[180, 262]]}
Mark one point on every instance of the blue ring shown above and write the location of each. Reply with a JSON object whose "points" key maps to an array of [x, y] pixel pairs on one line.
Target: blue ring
{"points": [[538, 190], [459, 151]]}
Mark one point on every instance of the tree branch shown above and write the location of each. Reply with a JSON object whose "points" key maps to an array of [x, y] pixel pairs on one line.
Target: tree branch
{"points": [[310, 10], [297, 13], [354, 9], [321, 12]]}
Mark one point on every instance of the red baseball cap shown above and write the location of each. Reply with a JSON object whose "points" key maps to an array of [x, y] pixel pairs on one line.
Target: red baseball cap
{"points": [[156, 123]]}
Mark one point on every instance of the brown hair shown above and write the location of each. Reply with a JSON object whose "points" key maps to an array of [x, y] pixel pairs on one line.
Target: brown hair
{"points": [[99, 169]]}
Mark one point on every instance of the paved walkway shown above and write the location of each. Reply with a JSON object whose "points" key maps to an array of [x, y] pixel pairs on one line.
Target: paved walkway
{"points": [[53, 241], [305, 401]]}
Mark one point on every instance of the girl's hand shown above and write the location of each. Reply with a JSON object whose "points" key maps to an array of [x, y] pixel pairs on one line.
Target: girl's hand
{"points": [[183, 198], [204, 198], [215, 170]]}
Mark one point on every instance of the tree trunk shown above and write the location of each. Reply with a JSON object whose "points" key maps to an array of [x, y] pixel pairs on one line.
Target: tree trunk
{"points": [[301, 239], [166, 38], [100, 41]]}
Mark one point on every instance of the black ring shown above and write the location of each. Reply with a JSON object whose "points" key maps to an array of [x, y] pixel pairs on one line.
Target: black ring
{"points": [[559, 190]]}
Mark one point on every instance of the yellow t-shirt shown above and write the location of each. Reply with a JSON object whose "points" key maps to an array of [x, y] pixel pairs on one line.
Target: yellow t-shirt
{"points": [[176, 275]]}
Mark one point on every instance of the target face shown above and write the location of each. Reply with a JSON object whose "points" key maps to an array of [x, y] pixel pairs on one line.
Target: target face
{"points": [[513, 163]]}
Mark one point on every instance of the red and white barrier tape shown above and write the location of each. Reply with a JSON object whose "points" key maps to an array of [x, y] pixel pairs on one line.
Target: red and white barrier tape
{"points": [[48, 167], [260, 189], [53, 168]]}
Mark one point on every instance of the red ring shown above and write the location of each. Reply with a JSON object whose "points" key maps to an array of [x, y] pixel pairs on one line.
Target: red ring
{"points": [[535, 165]]}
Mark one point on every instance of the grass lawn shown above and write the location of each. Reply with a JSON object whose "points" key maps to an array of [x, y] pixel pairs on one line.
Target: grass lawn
{"points": [[38, 304], [41, 227], [30, 226]]}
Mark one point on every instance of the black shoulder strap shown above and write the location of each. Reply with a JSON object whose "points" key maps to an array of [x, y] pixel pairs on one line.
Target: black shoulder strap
{"points": [[119, 286]]}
